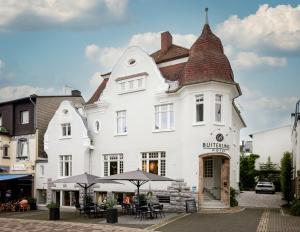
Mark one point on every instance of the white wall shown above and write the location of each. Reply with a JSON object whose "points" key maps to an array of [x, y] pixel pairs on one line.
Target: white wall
{"points": [[272, 143], [296, 147]]}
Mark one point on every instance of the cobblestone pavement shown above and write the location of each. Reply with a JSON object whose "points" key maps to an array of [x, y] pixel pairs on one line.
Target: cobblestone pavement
{"points": [[282, 223], [20, 225], [252, 199]]}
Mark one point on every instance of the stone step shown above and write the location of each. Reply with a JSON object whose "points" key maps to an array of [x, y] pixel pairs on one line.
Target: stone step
{"points": [[213, 204]]}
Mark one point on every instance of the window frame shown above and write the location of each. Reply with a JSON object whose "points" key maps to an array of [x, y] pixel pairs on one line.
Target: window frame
{"points": [[208, 171], [108, 158], [219, 102], [157, 127], [159, 156], [5, 151], [62, 165], [131, 85], [202, 102], [22, 117], [121, 115], [20, 155], [68, 130]]}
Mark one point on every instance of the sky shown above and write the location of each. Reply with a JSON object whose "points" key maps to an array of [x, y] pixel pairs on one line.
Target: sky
{"points": [[46, 45]]}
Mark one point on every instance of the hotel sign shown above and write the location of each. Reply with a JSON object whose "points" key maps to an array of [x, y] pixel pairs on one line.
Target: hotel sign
{"points": [[216, 146]]}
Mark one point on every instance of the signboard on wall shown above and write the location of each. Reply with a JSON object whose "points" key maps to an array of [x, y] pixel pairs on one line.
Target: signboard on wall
{"points": [[217, 146], [18, 167]]}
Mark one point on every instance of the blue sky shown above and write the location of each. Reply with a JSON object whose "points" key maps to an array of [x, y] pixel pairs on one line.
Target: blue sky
{"points": [[47, 44]]}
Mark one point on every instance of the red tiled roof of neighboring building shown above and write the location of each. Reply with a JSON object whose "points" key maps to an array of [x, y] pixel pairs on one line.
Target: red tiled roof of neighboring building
{"points": [[98, 92], [174, 52]]}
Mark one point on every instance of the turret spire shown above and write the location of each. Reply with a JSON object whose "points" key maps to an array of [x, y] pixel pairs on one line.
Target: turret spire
{"points": [[206, 15]]}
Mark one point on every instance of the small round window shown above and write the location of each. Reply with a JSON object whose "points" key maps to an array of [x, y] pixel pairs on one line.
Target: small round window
{"points": [[131, 62], [65, 111], [97, 126]]}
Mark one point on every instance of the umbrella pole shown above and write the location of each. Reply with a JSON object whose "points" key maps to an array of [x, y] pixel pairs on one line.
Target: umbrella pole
{"points": [[85, 194], [138, 192]]}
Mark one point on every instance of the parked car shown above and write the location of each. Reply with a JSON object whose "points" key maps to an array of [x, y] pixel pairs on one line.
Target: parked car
{"points": [[265, 187]]}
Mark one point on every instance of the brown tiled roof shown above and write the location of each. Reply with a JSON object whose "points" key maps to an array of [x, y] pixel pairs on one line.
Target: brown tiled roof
{"points": [[207, 61], [98, 92], [173, 53], [173, 72]]}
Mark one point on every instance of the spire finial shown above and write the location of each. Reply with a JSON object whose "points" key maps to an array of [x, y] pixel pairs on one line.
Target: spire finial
{"points": [[206, 15]]}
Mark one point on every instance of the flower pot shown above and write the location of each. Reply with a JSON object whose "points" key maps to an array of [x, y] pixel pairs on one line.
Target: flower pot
{"points": [[112, 215], [54, 214]]}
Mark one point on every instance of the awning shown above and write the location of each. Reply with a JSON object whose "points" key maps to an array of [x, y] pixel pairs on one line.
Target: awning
{"points": [[4, 168], [4, 177]]}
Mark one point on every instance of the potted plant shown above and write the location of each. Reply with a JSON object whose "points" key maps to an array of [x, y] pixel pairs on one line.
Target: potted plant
{"points": [[54, 212], [32, 203], [112, 211]]}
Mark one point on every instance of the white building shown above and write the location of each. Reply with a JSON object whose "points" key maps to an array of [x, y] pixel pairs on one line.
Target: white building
{"points": [[171, 113], [67, 145], [296, 149], [271, 143]]}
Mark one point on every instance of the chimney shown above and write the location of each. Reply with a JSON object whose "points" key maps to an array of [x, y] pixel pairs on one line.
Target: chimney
{"points": [[166, 41], [76, 93]]}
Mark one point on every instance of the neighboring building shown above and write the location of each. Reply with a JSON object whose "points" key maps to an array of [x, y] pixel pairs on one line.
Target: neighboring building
{"points": [[171, 113], [271, 143], [296, 150], [68, 147], [246, 147], [24, 122]]}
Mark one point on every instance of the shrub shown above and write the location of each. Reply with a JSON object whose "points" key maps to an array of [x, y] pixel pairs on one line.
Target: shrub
{"points": [[295, 208], [111, 202], [233, 201], [52, 205], [286, 176]]}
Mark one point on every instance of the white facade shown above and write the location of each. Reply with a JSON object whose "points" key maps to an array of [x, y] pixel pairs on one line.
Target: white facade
{"points": [[143, 121], [60, 144], [296, 150], [182, 143], [272, 143]]}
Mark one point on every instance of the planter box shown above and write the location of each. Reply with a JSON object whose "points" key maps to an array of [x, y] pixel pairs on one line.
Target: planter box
{"points": [[54, 214], [112, 216]]}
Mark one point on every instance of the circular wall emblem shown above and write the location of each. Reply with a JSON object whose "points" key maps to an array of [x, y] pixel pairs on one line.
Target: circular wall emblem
{"points": [[219, 137]]}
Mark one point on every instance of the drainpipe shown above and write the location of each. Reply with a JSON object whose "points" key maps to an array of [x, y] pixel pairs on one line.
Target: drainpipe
{"points": [[36, 141]]}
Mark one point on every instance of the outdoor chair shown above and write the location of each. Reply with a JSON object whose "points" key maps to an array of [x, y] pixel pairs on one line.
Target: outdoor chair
{"points": [[158, 209]]}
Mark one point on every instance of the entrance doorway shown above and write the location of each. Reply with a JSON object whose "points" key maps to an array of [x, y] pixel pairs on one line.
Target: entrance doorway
{"points": [[214, 187]]}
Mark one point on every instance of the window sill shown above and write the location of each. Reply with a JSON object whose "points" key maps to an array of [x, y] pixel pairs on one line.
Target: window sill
{"points": [[5, 157], [198, 124], [22, 158], [65, 137], [163, 130], [219, 124], [121, 134]]}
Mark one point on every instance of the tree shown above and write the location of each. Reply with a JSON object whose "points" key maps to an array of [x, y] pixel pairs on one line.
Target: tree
{"points": [[247, 171], [270, 171], [286, 176]]}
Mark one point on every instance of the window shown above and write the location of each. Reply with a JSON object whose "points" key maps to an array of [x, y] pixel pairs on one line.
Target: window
{"points": [[199, 108], [218, 108], [97, 126], [121, 122], [163, 199], [154, 162], [41, 196], [0, 119], [23, 149], [113, 164], [70, 198], [42, 170], [66, 129], [164, 117], [208, 167], [65, 165], [5, 152], [24, 117], [132, 85]]}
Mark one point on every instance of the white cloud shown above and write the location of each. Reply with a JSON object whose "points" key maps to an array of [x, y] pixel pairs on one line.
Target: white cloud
{"points": [[14, 92], [275, 28], [95, 80], [2, 65], [247, 60], [32, 14], [149, 41]]}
